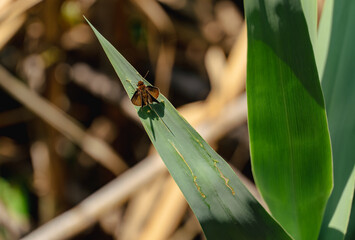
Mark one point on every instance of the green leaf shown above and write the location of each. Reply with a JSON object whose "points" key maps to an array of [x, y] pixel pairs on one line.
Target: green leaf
{"points": [[339, 87], [310, 13], [350, 233], [222, 204], [323, 40], [14, 199], [289, 138]]}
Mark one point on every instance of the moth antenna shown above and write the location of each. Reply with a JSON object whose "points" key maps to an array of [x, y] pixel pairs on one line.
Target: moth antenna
{"points": [[146, 74]]}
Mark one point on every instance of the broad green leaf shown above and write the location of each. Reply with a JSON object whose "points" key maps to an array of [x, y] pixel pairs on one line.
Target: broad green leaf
{"points": [[339, 91], [289, 138], [222, 204]]}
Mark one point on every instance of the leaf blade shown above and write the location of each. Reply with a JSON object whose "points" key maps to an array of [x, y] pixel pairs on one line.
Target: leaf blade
{"points": [[289, 138], [223, 205], [338, 85]]}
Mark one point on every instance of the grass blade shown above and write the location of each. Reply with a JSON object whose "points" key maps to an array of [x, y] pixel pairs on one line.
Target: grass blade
{"points": [[222, 204], [350, 233], [289, 138], [323, 40], [310, 13], [338, 85]]}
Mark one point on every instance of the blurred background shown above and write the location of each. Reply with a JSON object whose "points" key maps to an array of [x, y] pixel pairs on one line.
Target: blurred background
{"points": [[75, 162]]}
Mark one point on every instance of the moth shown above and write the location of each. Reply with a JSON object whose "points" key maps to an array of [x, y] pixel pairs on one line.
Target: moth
{"points": [[145, 95]]}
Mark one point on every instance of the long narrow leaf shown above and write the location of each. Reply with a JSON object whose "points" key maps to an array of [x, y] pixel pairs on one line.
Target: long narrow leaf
{"points": [[289, 138], [310, 12], [222, 204], [350, 233], [339, 90], [323, 40]]}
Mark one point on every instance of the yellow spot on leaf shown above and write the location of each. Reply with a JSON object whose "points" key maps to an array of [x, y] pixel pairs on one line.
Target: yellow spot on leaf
{"points": [[193, 175], [226, 180]]}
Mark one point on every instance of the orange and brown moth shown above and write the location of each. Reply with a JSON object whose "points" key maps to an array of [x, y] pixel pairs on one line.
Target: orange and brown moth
{"points": [[145, 95]]}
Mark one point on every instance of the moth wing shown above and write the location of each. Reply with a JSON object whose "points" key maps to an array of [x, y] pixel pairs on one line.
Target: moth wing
{"points": [[137, 99], [154, 91], [150, 98]]}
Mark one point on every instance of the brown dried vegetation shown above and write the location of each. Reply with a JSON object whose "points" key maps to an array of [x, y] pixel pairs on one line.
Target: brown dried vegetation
{"points": [[72, 150]]}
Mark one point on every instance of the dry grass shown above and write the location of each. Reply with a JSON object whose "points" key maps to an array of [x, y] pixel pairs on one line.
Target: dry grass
{"points": [[78, 151]]}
